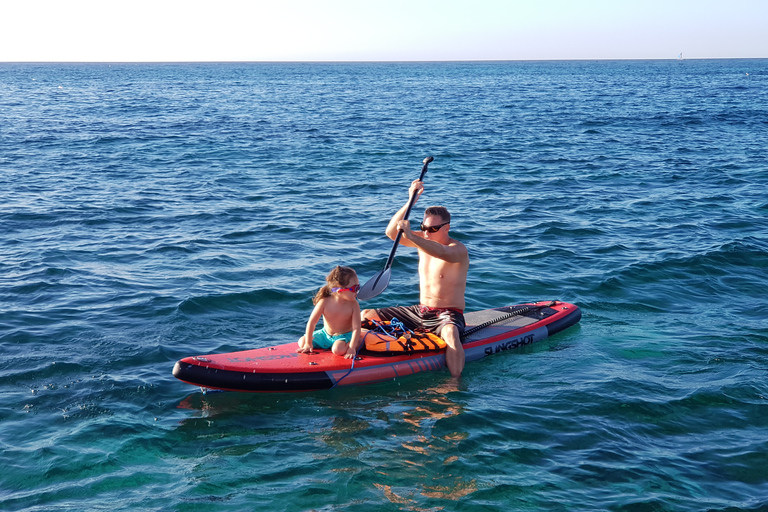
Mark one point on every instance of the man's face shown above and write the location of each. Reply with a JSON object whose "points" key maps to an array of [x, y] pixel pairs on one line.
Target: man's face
{"points": [[433, 227]]}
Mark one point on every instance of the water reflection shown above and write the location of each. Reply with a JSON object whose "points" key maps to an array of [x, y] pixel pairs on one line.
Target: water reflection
{"points": [[412, 443], [406, 446]]}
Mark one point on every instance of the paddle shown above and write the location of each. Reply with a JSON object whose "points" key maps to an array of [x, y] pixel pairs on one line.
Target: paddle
{"points": [[379, 282]]}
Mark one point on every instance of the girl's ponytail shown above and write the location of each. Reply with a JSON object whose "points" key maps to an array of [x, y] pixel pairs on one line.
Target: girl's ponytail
{"points": [[339, 276]]}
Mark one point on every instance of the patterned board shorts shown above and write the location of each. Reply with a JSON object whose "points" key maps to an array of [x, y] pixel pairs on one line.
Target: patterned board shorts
{"points": [[425, 317]]}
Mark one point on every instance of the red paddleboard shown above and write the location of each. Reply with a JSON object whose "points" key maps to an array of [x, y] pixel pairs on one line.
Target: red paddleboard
{"points": [[281, 369]]}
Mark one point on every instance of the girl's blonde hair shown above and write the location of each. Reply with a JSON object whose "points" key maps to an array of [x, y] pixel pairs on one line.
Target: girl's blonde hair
{"points": [[339, 276]]}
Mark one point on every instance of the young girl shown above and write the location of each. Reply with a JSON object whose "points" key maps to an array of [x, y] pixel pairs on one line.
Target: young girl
{"points": [[337, 303]]}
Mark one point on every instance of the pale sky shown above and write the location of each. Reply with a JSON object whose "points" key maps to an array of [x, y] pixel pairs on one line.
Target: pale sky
{"points": [[381, 30]]}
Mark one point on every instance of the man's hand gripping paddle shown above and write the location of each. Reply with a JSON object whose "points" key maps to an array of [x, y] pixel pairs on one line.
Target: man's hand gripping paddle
{"points": [[379, 282]]}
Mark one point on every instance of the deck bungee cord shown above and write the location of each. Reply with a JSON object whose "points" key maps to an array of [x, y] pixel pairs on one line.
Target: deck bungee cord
{"points": [[516, 312], [380, 328]]}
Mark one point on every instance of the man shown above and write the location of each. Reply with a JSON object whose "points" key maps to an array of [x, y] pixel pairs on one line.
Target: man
{"points": [[443, 265]]}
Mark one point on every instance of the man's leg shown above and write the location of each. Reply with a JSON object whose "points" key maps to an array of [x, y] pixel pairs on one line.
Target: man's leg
{"points": [[454, 352], [369, 314]]}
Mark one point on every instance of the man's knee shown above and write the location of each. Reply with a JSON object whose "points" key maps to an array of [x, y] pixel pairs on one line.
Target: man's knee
{"points": [[450, 334], [369, 314]]}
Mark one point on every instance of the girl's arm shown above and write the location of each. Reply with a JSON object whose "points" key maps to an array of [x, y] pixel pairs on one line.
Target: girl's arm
{"points": [[309, 330], [355, 342]]}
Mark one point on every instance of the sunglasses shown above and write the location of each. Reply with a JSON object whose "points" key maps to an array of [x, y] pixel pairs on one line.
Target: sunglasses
{"points": [[432, 229], [354, 289]]}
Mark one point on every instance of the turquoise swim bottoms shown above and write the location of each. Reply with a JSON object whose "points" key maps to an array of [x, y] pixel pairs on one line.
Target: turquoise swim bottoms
{"points": [[322, 339]]}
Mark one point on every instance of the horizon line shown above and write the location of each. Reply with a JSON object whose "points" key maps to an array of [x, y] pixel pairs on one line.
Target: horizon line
{"points": [[393, 61]]}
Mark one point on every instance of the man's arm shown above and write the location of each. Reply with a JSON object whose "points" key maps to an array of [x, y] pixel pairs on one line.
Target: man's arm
{"points": [[454, 252], [417, 187]]}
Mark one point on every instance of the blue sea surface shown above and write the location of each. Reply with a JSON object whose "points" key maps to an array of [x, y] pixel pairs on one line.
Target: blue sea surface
{"points": [[151, 212]]}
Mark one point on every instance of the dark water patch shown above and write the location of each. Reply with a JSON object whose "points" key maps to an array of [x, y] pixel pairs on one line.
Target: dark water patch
{"points": [[239, 235], [557, 231], [234, 301], [680, 280], [17, 370]]}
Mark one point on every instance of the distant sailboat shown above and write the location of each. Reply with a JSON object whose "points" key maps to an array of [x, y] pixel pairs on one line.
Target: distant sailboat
{"points": [[680, 57]]}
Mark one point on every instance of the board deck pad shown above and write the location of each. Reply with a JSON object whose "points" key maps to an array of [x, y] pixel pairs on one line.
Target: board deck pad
{"points": [[476, 318]]}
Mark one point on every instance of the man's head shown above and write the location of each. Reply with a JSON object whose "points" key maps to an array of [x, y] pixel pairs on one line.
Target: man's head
{"points": [[436, 222], [440, 211]]}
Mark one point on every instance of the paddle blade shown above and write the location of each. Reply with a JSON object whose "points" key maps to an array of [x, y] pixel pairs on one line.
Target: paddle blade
{"points": [[375, 285]]}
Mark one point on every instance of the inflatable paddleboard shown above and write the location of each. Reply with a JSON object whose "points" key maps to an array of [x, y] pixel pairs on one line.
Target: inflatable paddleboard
{"points": [[281, 369]]}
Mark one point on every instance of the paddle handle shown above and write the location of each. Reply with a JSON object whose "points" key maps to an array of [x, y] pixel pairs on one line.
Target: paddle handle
{"points": [[411, 201]]}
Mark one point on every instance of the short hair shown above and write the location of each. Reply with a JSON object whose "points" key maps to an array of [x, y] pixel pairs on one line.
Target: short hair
{"points": [[440, 211]]}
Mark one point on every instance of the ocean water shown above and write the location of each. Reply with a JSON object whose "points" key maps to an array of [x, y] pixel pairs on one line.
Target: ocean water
{"points": [[153, 211]]}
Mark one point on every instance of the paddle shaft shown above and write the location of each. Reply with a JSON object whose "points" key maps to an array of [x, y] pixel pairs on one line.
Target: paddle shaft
{"points": [[379, 282], [411, 201]]}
